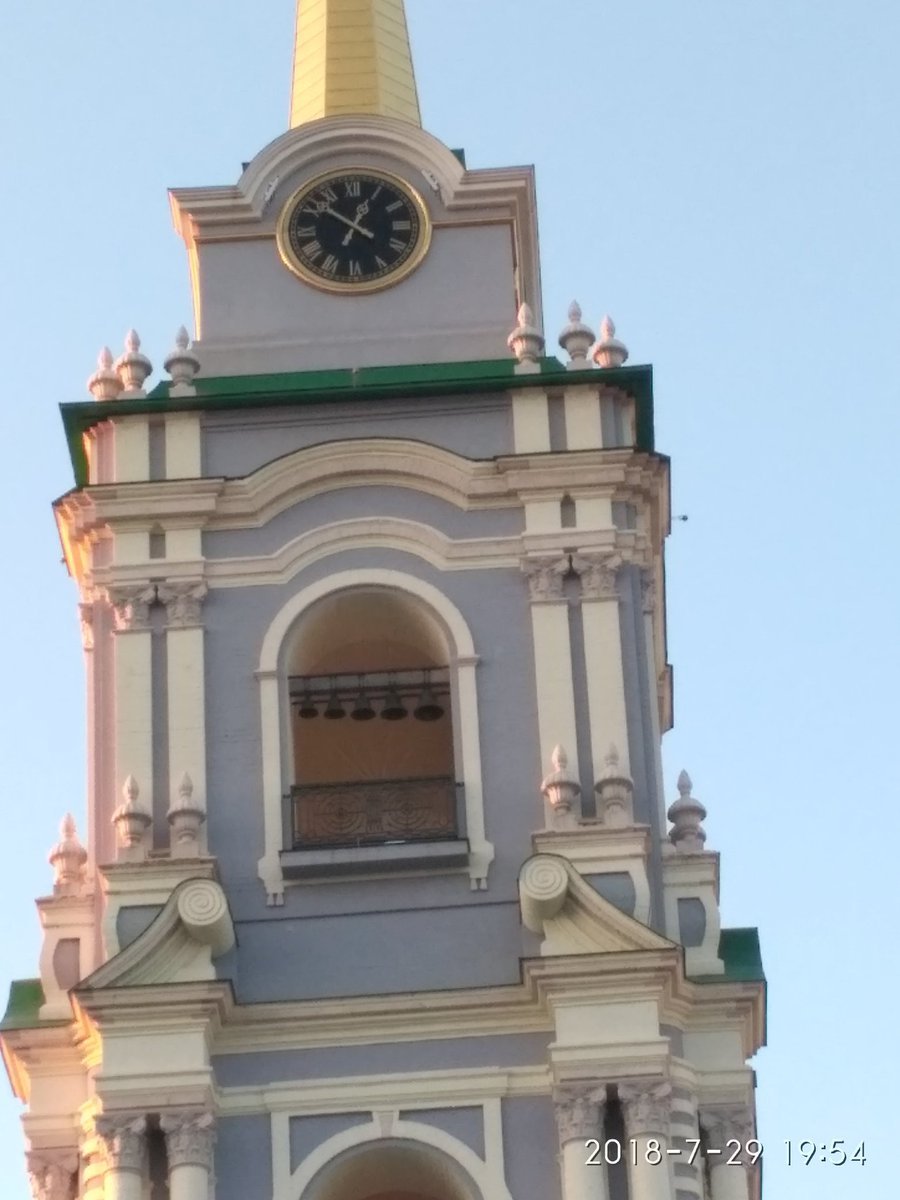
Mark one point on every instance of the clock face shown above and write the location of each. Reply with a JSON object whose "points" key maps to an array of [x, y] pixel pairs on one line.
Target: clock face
{"points": [[354, 231]]}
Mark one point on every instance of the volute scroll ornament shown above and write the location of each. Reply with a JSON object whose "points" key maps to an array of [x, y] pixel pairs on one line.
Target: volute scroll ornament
{"points": [[599, 576], [729, 1128], [53, 1174], [648, 1107], [545, 578], [124, 1142], [184, 603], [579, 1111], [190, 1139], [131, 606]]}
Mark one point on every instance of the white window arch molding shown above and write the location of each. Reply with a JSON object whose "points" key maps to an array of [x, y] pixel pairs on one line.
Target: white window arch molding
{"points": [[487, 1175], [275, 721]]}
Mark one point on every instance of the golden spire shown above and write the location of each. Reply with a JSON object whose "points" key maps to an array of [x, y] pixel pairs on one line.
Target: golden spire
{"points": [[353, 57]]}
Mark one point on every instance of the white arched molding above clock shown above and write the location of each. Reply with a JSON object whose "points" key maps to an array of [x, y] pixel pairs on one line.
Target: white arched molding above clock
{"points": [[456, 306], [275, 711]]}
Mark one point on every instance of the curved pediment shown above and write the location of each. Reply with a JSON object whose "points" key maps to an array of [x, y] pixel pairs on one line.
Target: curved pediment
{"points": [[391, 462]]}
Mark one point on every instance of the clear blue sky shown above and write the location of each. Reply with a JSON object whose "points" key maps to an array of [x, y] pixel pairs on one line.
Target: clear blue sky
{"points": [[723, 179]]}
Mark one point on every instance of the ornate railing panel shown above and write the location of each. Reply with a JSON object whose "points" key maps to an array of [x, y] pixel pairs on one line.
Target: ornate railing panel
{"points": [[370, 812]]}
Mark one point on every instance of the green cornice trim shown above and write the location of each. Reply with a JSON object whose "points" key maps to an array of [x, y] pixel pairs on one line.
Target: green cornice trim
{"points": [[740, 951], [26, 996], [293, 389]]}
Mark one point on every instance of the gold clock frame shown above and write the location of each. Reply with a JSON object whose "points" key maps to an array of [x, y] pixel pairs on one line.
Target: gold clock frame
{"points": [[295, 264]]}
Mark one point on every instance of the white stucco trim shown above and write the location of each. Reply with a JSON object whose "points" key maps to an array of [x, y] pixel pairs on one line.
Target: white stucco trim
{"points": [[385, 1126], [583, 430], [134, 711], [360, 533], [605, 681], [555, 686], [187, 712], [463, 661]]}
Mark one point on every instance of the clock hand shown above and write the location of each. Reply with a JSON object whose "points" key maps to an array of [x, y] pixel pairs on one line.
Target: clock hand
{"points": [[354, 225]]}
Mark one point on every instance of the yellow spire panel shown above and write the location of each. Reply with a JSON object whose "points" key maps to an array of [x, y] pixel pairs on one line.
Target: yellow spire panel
{"points": [[352, 57]]}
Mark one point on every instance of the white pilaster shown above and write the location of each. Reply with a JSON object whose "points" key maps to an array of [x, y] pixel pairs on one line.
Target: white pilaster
{"points": [[579, 1118], [729, 1129], [134, 684], [583, 429], [531, 421], [647, 1107], [189, 1143], [124, 1143], [132, 449], [648, 606], [603, 659], [183, 445], [185, 684], [552, 657]]}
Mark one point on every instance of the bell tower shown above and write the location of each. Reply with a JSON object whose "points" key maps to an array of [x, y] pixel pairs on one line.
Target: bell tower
{"points": [[380, 894]]}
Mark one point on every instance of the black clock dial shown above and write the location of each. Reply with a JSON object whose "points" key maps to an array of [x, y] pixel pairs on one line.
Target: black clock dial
{"points": [[354, 231]]}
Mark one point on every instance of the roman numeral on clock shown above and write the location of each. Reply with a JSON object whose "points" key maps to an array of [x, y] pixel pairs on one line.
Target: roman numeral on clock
{"points": [[352, 187], [355, 269], [402, 225], [330, 264], [396, 244], [312, 251]]}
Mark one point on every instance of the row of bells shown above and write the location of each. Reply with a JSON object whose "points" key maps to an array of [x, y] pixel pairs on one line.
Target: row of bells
{"points": [[427, 707]]}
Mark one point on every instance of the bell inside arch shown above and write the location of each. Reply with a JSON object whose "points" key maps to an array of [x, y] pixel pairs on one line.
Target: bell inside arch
{"points": [[428, 707], [306, 709], [393, 708], [334, 710], [362, 709]]}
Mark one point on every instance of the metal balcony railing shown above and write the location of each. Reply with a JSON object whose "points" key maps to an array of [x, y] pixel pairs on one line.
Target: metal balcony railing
{"points": [[374, 812]]}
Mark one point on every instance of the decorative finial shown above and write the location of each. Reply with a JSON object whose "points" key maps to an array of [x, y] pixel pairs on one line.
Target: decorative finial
{"points": [[687, 814], [615, 792], [185, 816], [609, 351], [104, 384], [527, 342], [182, 365], [68, 858], [559, 788], [131, 819], [576, 339], [133, 367]]}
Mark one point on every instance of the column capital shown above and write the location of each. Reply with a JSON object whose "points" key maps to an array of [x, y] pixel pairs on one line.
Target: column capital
{"points": [[579, 1111], [183, 599], [647, 1105], [131, 605], [545, 577], [51, 1174], [124, 1141], [648, 592], [190, 1138], [599, 575], [724, 1123]]}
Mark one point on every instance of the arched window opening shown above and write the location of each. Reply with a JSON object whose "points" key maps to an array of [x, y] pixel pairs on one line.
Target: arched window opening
{"points": [[371, 724], [392, 1170]]}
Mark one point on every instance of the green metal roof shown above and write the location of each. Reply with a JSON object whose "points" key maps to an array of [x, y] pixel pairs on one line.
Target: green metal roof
{"points": [[295, 389], [23, 1008]]}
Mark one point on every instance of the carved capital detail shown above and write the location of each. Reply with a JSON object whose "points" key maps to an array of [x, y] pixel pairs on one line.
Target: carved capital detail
{"points": [[131, 606], [184, 602], [648, 592], [86, 617], [729, 1124], [545, 578], [599, 576], [124, 1142], [579, 1111], [53, 1174], [190, 1139], [647, 1107]]}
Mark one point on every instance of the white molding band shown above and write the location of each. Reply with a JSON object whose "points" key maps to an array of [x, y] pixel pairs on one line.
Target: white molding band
{"points": [[531, 421], [583, 426], [385, 1126], [134, 710], [275, 730]]}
